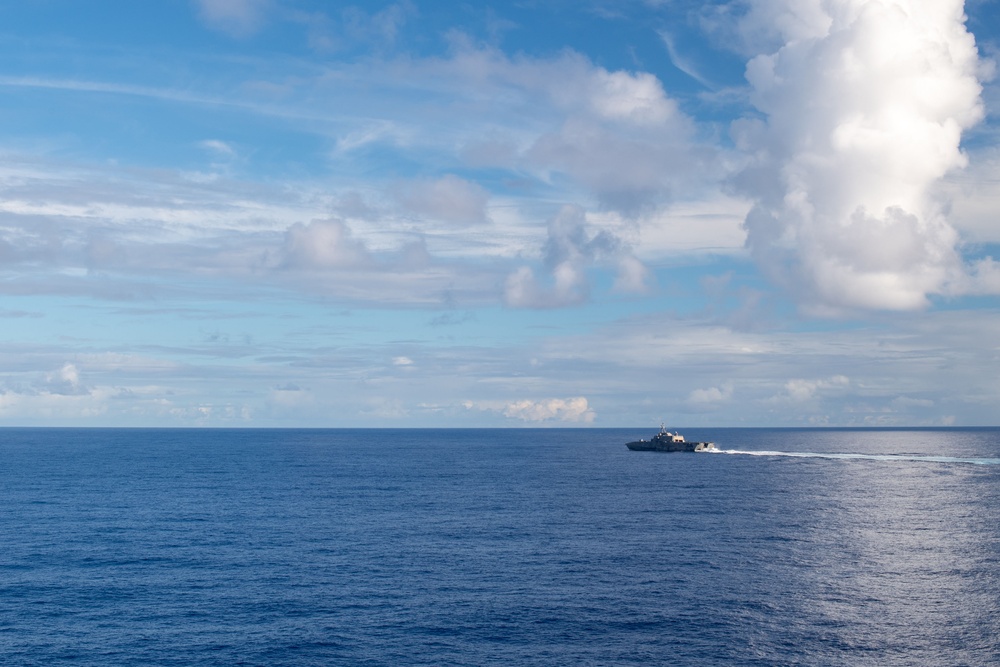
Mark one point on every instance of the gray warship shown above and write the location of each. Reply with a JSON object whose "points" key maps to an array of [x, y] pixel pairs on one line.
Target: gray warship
{"points": [[665, 441]]}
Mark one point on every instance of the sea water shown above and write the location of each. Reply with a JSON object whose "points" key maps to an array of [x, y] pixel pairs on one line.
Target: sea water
{"points": [[521, 547]]}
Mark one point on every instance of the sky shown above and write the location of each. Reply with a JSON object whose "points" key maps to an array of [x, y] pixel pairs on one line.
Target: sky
{"points": [[597, 213]]}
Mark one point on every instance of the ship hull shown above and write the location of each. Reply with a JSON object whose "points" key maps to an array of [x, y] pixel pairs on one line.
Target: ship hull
{"points": [[665, 446]]}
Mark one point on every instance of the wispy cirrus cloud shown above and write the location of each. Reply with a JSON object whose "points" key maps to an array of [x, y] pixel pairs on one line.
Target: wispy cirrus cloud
{"points": [[237, 18], [227, 225]]}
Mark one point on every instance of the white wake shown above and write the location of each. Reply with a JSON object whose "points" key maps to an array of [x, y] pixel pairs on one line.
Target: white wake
{"points": [[866, 457]]}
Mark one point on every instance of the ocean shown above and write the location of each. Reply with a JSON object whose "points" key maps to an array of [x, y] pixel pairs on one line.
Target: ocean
{"points": [[499, 547]]}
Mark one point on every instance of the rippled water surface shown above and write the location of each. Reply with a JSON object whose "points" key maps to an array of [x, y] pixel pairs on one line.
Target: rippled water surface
{"points": [[528, 547]]}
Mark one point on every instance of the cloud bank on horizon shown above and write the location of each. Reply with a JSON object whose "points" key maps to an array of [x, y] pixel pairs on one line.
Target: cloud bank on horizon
{"points": [[249, 211]]}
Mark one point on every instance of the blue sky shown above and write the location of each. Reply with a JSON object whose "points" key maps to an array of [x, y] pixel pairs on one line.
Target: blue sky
{"points": [[300, 213]]}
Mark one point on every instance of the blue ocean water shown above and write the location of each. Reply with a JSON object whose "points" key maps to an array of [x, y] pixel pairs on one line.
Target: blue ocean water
{"points": [[527, 547]]}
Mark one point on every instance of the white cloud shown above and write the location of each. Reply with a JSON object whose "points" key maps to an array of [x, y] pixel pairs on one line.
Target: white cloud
{"points": [[865, 107], [710, 397], [552, 409], [984, 278], [799, 390], [478, 176], [54, 407], [220, 148], [772, 23], [323, 244], [905, 403], [239, 18], [710, 225], [974, 196], [633, 276], [449, 199], [617, 135], [352, 26], [680, 62], [368, 133], [381, 408], [568, 286], [383, 25], [65, 382], [159, 228], [637, 99], [124, 220], [571, 247], [628, 172], [521, 289]]}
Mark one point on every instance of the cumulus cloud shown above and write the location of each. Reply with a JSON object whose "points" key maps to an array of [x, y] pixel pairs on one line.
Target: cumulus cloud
{"points": [[570, 248], [323, 244], [66, 381], [798, 390], [864, 106], [568, 287], [551, 409], [617, 134], [53, 397], [633, 276], [711, 397], [633, 149], [448, 199], [570, 83], [55, 407], [239, 18]]}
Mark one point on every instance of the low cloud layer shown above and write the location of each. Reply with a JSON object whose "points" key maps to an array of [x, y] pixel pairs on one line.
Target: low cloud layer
{"points": [[553, 409]]}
